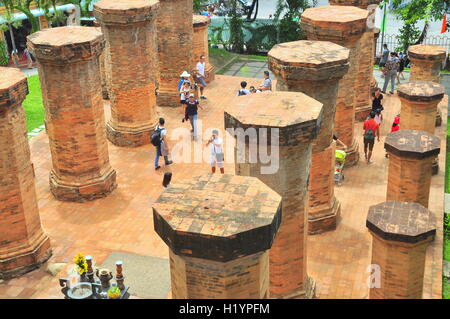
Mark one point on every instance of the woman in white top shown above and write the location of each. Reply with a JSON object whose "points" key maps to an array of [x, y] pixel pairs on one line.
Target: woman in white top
{"points": [[217, 157]]}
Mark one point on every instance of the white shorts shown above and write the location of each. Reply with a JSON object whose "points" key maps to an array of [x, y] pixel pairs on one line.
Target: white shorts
{"points": [[214, 163]]}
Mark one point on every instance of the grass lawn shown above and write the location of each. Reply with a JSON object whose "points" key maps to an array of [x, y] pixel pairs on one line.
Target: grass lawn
{"points": [[34, 108]]}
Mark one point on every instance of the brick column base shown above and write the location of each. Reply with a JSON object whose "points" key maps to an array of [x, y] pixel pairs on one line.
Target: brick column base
{"points": [[210, 72], [167, 97], [98, 188], [129, 138], [352, 154]]}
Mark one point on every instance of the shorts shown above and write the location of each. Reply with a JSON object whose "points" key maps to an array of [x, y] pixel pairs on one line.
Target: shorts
{"points": [[214, 162], [382, 64], [369, 144], [202, 81], [183, 101]]}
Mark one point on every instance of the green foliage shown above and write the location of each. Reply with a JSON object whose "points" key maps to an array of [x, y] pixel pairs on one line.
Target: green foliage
{"points": [[236, 32], [289, 25], [33, 105], [197, 5], [409, 34], [263, 37], [4, 57], [217, 35]]}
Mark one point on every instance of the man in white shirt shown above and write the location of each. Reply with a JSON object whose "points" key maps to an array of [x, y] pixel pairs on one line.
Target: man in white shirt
{"points": [[217, 157], [200, 75], [267, 84]]}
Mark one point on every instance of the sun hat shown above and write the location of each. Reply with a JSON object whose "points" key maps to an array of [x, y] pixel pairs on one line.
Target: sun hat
{"points": [[185, 75]]}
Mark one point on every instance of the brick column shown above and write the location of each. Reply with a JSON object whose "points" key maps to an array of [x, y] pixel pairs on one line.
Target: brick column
{"points": [[315, 68], [344, 26], [420, 102], [68, 59], [426, 63], [219, 229], [200, 44], [23, 243], [175, 33], [365, 80], [103, 74], [130, 32], [267, 118], [401, 233], [411, 154]]}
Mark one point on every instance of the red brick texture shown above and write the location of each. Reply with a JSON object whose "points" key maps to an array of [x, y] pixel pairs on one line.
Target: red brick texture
{"points": [[23, 243], [315, 68], [68, 60], [344, 26], [200, 44], [175, 34], [401, 233], [131, 65], [273, 110]]}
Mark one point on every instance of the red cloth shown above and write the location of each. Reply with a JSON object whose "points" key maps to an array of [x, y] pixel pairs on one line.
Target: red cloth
{"points": [[370, 124], [444, 24], [395, 128]]}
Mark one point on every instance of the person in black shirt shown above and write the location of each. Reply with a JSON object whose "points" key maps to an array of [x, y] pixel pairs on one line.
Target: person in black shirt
{"points": [[377, 98], [191, 108]]}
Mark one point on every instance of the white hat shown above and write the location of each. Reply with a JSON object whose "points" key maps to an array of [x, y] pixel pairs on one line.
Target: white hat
{"points": [[185, 75]]}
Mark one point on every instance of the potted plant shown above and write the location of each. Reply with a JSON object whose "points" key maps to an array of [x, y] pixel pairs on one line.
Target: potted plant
{"points": [[114, 292], [81, 266]]}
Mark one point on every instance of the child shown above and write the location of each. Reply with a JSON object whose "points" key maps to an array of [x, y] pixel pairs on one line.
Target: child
{"points": [[184, 92], [378, 116], [395, 127]]}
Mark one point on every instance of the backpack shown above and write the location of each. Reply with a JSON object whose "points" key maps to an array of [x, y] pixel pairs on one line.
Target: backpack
{"points": [[155, 139], [369, 135], [241, 92]]}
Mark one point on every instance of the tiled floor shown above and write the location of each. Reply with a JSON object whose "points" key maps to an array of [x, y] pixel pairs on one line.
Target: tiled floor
{"points": [[123, 221]]}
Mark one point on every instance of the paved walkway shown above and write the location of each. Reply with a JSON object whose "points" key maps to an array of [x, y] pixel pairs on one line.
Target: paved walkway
{"points": [[123, 221]]}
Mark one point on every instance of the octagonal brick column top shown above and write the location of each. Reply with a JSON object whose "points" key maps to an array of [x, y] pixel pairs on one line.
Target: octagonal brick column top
{"points": [[426, 52], [199, 20], [66, 44], [412, 144], [401, 221], [340, 23], [218, 217], [13, 87], [421, 91], [308, 60], [297, 116], [363, 4], [121, 12]]}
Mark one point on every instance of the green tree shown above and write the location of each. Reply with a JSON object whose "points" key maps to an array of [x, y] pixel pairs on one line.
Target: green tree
{"points": [[236, 29], [289, 24], [23, 6]]}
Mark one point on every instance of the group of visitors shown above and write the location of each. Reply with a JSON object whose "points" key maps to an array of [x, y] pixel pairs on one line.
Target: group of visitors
{"points": [[265, 86], [392, 65]]}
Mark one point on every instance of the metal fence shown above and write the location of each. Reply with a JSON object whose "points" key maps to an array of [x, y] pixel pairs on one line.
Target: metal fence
{"points": [[393, 43]]}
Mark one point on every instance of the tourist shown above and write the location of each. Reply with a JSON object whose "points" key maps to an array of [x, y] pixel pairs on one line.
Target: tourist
{"points": [[184, 77], [401, 67], [338, 141], [390, 72], [378, 116], [216, 152], [200, 75], [192, 106], [394, 128], [371, 129], [243, 90], [377, 100], [267, 84], [253, 89], [384, 56], [27, 55], [160, 141], [185, 92]]}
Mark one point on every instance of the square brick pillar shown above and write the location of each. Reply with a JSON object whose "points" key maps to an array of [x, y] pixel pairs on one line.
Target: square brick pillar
{"points": [[420, 100], [365, 81], [401, 233], [315, 68], [23, 243], [131, 65], [426, 63], [175, 34], [68, 60], [219, 229], [411, 154], [200, 44], [283, 124], [344, 26]]}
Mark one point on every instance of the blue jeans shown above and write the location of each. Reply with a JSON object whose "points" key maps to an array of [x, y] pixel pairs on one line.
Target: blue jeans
{"points": [[390, 75], [193, 120], [158, 154]]}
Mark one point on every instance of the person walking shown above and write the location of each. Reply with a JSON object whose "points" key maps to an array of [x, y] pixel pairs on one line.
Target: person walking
{"points": [[185, 92], [390, 72], [191, 112], [384, 56], [183, 77], [243, 90], [394, 128], [27, 54], [401, 67], [200, 75], [217, 157], [159, 140], [371, 130], [267, 84], [377, 100]]}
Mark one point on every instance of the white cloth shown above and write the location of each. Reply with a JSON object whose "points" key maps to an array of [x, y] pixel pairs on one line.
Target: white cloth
{"points": [[201, 68], [216, 149], [245, 91], [163, 133]]}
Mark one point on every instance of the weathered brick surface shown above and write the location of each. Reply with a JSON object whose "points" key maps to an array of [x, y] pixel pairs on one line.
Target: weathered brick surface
{"points": [[365, 80], [175, 33], [274, 111], [131, 64], [401, 233], [344, 26], [315, 68], [411, 154], [23, 244], [200, 44], [218, 229], [68, 60]]}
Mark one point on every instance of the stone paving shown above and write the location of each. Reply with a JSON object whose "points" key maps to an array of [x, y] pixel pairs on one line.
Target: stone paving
{"points": [[123, 222]]}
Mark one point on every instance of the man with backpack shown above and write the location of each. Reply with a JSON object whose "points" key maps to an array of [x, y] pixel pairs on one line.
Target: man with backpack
{"points": [[158, 139], [243, 90], [371, 129]]}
